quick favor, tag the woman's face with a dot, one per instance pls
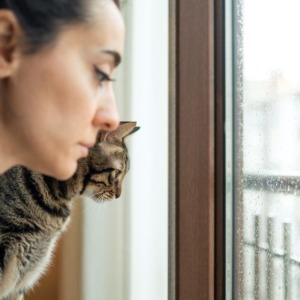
(57, 99)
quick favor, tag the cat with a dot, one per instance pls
(35, 209)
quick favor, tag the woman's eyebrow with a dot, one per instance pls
(116, 56)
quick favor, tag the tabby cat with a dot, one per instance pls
(35, 209)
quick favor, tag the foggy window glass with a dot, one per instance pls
(265, 136)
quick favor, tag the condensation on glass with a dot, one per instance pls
(265, 156)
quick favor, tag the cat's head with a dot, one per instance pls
(108, 163)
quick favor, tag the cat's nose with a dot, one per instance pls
(118, 192)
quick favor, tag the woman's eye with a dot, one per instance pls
(102, 76)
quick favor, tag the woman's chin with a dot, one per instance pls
(67, 173)
(62, 171)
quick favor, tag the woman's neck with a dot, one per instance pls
(7, 150)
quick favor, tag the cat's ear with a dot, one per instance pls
(125, 129)
(102, 135)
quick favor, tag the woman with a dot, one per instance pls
(57, 58)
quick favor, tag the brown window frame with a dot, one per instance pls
(196, 211)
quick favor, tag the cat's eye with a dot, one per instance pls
(107, 170)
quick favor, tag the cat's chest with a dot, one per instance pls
(34, 255)
(32, 249)
(49, 225)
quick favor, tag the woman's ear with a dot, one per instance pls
(10, 33)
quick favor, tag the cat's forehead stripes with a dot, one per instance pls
(110, 149)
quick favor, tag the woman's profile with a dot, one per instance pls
(57, 59)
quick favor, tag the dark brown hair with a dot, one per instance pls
(42, 20)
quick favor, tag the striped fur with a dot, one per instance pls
(35, 209)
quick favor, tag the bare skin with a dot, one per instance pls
(52, 103)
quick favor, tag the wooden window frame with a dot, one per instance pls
(196, 211)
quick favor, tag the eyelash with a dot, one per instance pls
(102, 76)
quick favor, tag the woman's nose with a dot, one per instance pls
(107, 118)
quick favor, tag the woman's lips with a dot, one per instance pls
(85, 149)
(87, 145)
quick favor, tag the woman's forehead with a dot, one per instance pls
(107, 29)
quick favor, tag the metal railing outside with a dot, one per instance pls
(274, 184)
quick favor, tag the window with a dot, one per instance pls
(263, 147)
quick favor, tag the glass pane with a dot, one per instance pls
(266, 148)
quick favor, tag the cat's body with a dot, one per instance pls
(35, 209)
